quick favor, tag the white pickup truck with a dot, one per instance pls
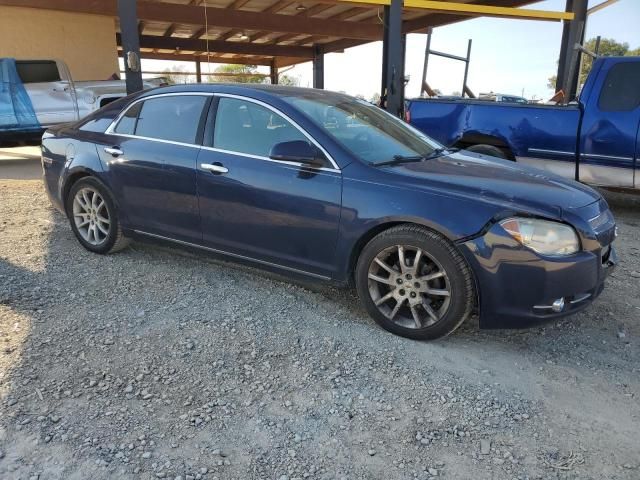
(53, 96)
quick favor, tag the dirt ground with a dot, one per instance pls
(159, 363)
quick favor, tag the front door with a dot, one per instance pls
(50, 92)
(272, 211)
(151, 155)
(610, 127)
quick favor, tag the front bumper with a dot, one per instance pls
(517, 287)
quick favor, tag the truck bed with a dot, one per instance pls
(463, 122)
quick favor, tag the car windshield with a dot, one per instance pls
(365, 130)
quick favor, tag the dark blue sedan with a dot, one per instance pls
(323, 185)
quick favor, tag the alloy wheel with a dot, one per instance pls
(409, 286)
(91, 216)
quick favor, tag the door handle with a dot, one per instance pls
(113, 151)
(215, 167)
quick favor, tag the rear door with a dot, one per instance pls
(151, 155)
(49, 89)
(610, 127)
(275, 212)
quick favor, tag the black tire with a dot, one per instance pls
(488, 150)
(458, 277)
(114, 240)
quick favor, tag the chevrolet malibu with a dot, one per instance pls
(322, 185)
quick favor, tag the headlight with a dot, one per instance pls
(542, 236)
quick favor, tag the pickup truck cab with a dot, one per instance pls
(42, 93)
(594, 140)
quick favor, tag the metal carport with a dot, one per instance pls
(280, 33)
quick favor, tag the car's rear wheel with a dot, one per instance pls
(94, 218)
(414, 283)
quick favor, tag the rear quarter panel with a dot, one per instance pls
(66, 158)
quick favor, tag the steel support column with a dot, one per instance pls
(385, 51)
(273, 72)
(562, 60)
(318, 67)
(395, 59)
(573, 56)
(198, 72)
(127, 11)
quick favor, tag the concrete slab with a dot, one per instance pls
(20, 163)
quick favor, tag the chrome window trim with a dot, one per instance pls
(112, 125)
(235, 255)
(290, 120)
(110, 130)
(160, 140)
(267, 159)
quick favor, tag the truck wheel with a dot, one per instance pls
(488, 150)
(414, 283)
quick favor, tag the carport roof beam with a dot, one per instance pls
(268, 29)
(476, 10)
(193, 44)
(217, 17)
(213, 58)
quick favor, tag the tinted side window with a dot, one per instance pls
(98, 121)
(247, 127)
(98, 124)
(621, 88)
(174, 118)
(38, 71)
(127, 123)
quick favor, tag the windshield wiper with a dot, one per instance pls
(399, 159)
(438, 152)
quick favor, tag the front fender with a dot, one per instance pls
(368, 208)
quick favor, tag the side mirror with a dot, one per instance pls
(296, 151)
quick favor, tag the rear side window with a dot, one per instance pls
(621, 89)
(98, 124)
(174, 118)
(127, 123)
(100, 120)
(38, 71)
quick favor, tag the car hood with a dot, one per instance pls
(489, 179)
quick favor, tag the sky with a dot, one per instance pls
(507, 56)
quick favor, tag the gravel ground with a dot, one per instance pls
(159, 363)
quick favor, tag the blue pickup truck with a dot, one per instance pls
(595, 140)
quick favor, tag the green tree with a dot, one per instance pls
(608, 48)
(288, 80)
(243, 74)
(177, 75)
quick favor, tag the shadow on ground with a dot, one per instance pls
(160, 362)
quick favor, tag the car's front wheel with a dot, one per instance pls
(94, 218)
(414, 283)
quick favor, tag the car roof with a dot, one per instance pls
(251, 90)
